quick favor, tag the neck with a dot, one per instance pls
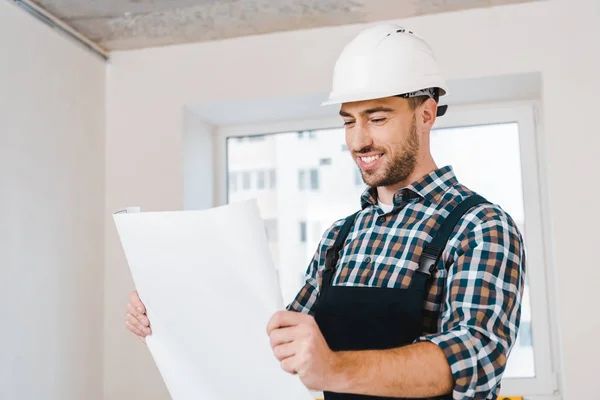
(386, 193)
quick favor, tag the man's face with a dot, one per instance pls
(382, 138)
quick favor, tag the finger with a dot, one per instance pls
(134, 321)
(144, 330)
(289, 366)
(135, 300)
(284, 335)
(284, 351)
(131, 309)
(133, 329)
(142, 318)
(286, 318)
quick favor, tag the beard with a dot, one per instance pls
(398, 168)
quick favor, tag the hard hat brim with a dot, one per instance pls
(441, 110)
(353, 97)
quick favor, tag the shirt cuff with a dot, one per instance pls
(475, 369)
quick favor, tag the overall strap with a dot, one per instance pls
(432, 252)
(332, 254)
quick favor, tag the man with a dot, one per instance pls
(419, 293)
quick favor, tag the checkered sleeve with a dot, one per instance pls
(481, 312)
(307, 296)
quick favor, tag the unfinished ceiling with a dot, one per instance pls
(129, 24)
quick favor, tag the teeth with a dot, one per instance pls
(370, 159)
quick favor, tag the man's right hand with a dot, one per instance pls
(136, 320)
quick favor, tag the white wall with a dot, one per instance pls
(51, 213)
(197, 158)
(147, 90)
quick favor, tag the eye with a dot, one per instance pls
(346, 123)
(378, 120)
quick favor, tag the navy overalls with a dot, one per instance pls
(373, 318)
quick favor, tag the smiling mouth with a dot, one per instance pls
(370, 159)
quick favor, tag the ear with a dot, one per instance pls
(428, 113)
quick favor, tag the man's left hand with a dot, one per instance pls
(300, 347)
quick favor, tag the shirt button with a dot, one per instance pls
(367, 260)
(381, 219)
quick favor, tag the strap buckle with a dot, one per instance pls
(427, 264)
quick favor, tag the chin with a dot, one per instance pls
(372, 181)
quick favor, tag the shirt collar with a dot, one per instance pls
(430, 187)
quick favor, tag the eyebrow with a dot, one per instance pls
(367, 112)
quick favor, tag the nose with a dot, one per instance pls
(358, 137)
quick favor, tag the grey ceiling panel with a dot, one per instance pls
(116, 24)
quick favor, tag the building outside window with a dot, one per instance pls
(303, 232)
(246, 180)
(314, 179)
(302, 180)
(260, 180)
(272, 179)
(358, 180)
(233, 181)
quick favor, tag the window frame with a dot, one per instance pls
(544, 385)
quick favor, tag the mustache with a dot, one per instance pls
(368, 149)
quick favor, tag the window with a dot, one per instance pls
(303, 232)
(307, 134)
(301, 179)
(316, 231)
(272, 179)
(246, 180)
(493, 151)
(256, 138)
(260, 180)
(325, 161)
(233, 181)
(498, 178)
(508, 176)
(314, 179)
(358, 180)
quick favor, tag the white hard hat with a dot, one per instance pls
(382, 61)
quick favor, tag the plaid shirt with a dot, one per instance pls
(472, 311)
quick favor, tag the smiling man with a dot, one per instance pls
(418, 294)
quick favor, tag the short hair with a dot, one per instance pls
(414, 102)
